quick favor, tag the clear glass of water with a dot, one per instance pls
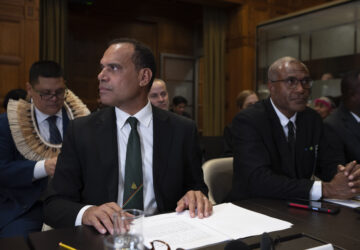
(128, 231)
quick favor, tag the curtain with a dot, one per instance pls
(214, 72)
(52, 30)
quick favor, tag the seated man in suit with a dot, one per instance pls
(276, 144)
(30, 139)
(342, 127)
(158, 94)
(130, 155)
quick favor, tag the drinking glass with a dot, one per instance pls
(128, 231)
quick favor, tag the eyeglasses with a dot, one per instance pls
(60, 94)
(159, 245)
(292, 82)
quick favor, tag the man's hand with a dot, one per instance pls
(50, 165)
(101, 217)
(195, 200)
(345, 183)
(352, 171)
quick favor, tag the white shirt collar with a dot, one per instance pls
(356, 117)
(144, 116)
(40, 116)
(283, 119)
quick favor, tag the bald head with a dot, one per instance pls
(289, 84)
(158, 94)
(279, 64)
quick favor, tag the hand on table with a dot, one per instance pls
(195, 200)
(101, 217)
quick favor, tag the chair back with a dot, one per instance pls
(218, 177)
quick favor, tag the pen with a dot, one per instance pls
(320, 209)
(66, 246)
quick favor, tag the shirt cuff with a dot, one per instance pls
(78, 221)
(316, 191)
(39, 170)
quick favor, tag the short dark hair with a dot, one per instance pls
(44, 69)
(14, 94)
(178, 100)
(142, 57)
(349, 83)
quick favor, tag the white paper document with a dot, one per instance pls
(348, 203)
(227, 222)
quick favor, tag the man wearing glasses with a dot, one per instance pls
(277, 144)
(31, 135)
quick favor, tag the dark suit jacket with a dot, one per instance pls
(342, 133)
(18, 191)
(263, 166)
(87, 169)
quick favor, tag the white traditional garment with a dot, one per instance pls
(25, 132)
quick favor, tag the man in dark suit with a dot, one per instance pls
(28, 148)
(92, 173)
(277, 143)
(342, 127)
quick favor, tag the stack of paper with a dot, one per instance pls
(227, 222)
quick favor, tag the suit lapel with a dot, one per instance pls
(106, 136)
(162, 138)
(65, 120)
(301, 136)
(280, 140)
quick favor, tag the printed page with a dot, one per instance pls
(179, 231)
(227, 222)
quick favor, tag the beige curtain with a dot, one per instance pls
(214, 72)
(52, 30)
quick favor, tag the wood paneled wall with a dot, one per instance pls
(166, 26)
(19, 42)
(163, 27)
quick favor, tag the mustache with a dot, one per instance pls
(105, 86)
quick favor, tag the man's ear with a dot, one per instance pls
(145, 75)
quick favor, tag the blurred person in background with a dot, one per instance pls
(245, 99)
(158, 94)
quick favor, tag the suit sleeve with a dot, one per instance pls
(254, 173)
(194, 178)
(15, 170)
(62, 202)
(331, 154)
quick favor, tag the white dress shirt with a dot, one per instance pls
(43, 125)
(145, 130)
(316, 190)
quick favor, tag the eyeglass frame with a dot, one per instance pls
(47, 97)
(160, 241)
(297, 81)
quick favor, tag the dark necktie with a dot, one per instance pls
(133, 187)
(55, 136)
(291, 135)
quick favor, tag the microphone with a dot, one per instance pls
(236, 245)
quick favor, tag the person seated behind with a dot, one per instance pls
(324, 106)
(342, 128)
(29, 145)
(179, 104)
(276, 144)
(245, 99)
(14, 94)
(153, 164)
(158, 94)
